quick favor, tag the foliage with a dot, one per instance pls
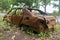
(30, 32)
(5, 4)
(44, 3)
(58, 38)
(55, 12)
(56, 27)
(26, 2)
(27, 30)
(56, 5)
(3, 24)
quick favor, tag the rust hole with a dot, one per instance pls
(27, 18)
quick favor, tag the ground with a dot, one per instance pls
(16, 34)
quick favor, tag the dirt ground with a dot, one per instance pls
(15, 34)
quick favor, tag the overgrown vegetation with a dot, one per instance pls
(30, 32)
(58, 38)
(1, 36)
(3, 24)
(56, 27)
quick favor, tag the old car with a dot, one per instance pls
(39, 22)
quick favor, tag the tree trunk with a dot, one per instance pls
(45, 5)
(45, 8)
(59, 6)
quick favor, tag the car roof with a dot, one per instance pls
(41, 12)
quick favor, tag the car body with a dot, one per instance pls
(39, 23)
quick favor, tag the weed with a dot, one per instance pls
(30, 32)
(58, 38)
(56, 27)
(42, 34)
(1, 36)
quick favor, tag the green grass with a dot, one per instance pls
(56, 27)
(1, 36)
(30, 32)
(27, 30)
(3, 24)
(1, 16)
(58, 38)
(41, 34)
(1, 21)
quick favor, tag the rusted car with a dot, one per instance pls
(39, 22)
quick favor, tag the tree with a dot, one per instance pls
(57, 5)
(45, 3)
(27, 3)
(5, 4)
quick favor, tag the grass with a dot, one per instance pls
(1, 36)
(3, 24)
(58, 38)
(44, 34)
(1, 21)
(30, 32)
(27, 30)
(56, 27)
(41, 34)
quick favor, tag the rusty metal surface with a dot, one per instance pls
(40, 23)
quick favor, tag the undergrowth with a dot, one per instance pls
(41, 34)
(56, 27)
(1, 36)
(30, 32)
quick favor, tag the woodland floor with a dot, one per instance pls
(16, 34)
